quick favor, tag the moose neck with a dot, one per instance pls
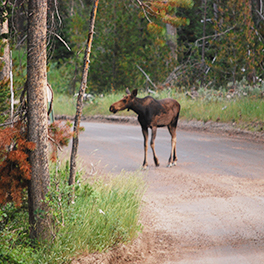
(138, 106)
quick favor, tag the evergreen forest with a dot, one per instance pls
(182, 43)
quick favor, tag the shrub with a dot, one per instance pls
(105, 214)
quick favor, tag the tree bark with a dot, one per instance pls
(75, 141)
(172, 40)
(4, 73)
(37, 118)
(204, 33)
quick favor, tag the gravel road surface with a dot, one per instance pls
(207, 209)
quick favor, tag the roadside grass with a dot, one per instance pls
(243, 110)
(105, 214)
(64, 105)
(210, 105)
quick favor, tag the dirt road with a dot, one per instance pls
(208, 209)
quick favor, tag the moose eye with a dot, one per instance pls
(124, 100)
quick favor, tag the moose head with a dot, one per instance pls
(125, 103)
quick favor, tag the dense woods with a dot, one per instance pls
(182, 43)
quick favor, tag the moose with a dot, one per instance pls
(152, 114)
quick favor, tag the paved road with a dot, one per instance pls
(121, 147)
(208, 209)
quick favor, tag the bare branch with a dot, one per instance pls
(51, 102)
(57, 12)
(53, 141)
(147, 77)
(60, 39)
(21, 41)
(8, 123)
(216, 35)
(144, 11)
(261, 16)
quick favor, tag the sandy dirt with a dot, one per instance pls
(189, 218)
(195, 218)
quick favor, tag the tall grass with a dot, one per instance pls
(241, 110)
(105, 213)
(64, 105)
(209, 106)
(100, 105)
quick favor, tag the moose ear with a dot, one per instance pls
(134, 93)
(127, 91)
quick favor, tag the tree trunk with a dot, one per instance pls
(172, 40)
(75, 141)
(204, 33)
(4, 73)
(37, 118)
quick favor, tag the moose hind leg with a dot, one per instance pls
(152, 144)
(173, 157)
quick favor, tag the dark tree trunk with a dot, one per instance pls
(37, 118)
(75, 141)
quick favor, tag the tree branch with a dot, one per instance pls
(144, 11)
(53, 141)
(261, 16)
(60, 39)
(216, 35)
(147, 77)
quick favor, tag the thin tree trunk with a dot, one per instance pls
(172, 40)
(75, 141)
(204, 33)
(37, 118)
(4, 73)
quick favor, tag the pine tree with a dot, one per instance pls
(238, 48)
(166, 10)
(37, 118)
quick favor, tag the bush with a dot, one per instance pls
(105, 213)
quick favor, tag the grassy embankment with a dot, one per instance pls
(105, 214)
(245, 108)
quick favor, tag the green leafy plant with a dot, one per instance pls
(105, 214)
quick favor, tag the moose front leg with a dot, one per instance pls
(152, 144)
(145, 135)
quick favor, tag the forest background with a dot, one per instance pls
(215, 43)
(178, 45)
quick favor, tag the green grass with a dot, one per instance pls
(246, 112)
(242, 110)
(105, 214)
(64, 105)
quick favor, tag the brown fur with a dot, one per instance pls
(152, 113)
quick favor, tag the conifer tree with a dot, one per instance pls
(37, 118)
(238, 47)
(166, 10)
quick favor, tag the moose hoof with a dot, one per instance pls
(144, 167)
(171, 164)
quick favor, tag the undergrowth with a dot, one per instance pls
(105, 213)
(243, 107)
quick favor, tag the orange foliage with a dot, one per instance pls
(60, 135)
(15, 170)
(14, 166)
